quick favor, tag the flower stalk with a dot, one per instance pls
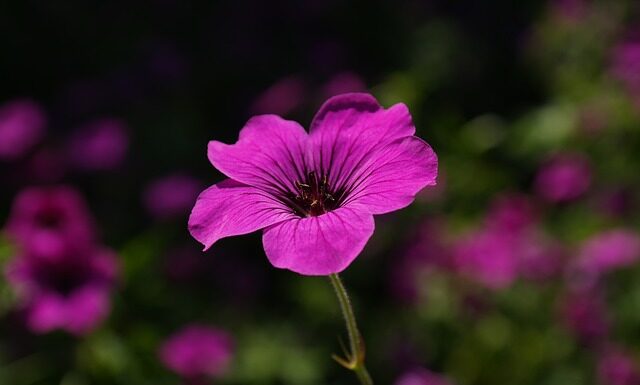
(354, 358)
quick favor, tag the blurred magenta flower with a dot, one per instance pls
(22, 125)
(100, 145)
(198, 351)
(342, 83)
(281, 98)
(315, 193)
(422, 376)
(564, 177)
(509, 245)
(48, 221)
(171, 196)
(615, 367)
(70, 291)
(608, 251)
(584, 313)
(625, 61)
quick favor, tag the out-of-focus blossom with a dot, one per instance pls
(608, 251)
(172, 195)
(615, 201)
(422, 376)
(69, 291)
(281, 98)
(615, 367)
(198, 351)
(508, 246)
(22, 124)
(342, 83)
(487, 257)
(166, 64)
(48, 221)
(100, 145)
(564, 177)
(625, 61)
(584, 313)
(315, 194)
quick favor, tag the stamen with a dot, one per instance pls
(314, 196)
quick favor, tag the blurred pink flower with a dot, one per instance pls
(100, 145)
(281, 98)
(70, 291)
(48, 221)
(22, 124)
(608, 251)
(564, 177)
(197, 351)
(615, 367)
(625, 61)
(509, 245)
(342, 83)
(422, 376)
(171, 196)
(584, 313)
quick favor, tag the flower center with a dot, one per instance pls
(313, 196)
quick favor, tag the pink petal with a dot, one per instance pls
(390, 179)
(232, 208)
(270, 154)
(46, 313)
(348, 127)
(86, 309)
(320, 245)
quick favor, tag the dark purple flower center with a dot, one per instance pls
(63, 278)
(49, 218)
(314, 196)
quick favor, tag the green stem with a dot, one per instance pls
(355, 357)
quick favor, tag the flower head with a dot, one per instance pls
(101, 145)
(69, 292)
(196, 351)
(563, 178)
(616, 367)
(607, 251)
(50, 220)
(22, 124)
(315, 193)
(171, 196)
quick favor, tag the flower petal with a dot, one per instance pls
(346, 129)
(269, 154)
(47, 312)
(320, 245)
(232, 208)
(87, 308)
(392, 176)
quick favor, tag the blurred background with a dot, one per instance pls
(520, 267)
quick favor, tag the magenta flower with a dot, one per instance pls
(171, 196)
(584, 313)
(608, 251)
(615, 367)
(197, 351)
(563, 178)
(48, 221)
(315, 193)
(69, 292)
(22, 124)
(422, 376)
(100, 145)
(625, 59)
